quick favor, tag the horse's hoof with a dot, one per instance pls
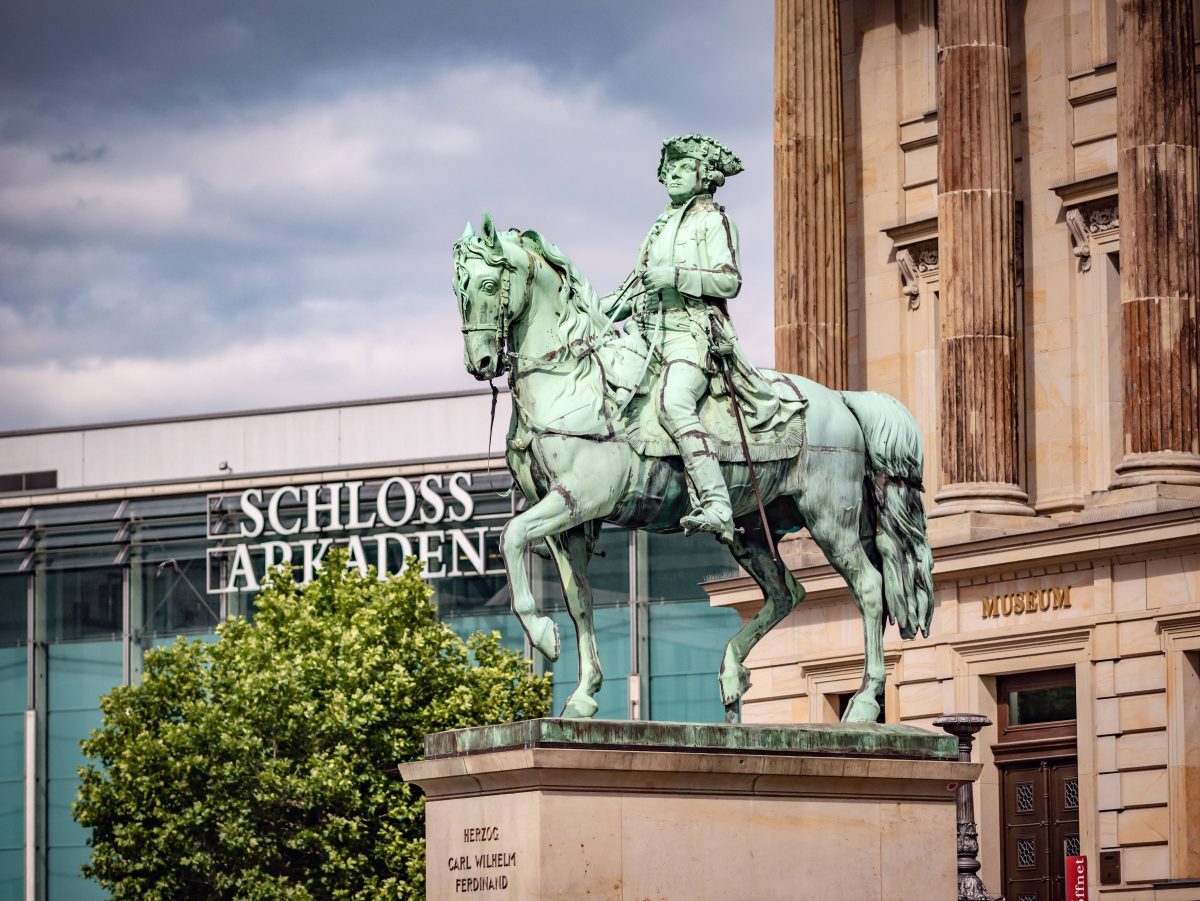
(862, 709)
(544, 637)
(580, 708)
(734, 683)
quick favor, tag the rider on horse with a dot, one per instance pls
(688, 269)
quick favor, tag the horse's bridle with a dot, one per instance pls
(504, 311)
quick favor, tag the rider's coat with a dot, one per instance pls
(700, 241)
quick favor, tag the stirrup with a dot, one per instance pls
(704, 519)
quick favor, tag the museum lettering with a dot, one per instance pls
(1040, 599)
(379, 524)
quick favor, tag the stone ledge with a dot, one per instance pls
(809, 739)
(686, 773)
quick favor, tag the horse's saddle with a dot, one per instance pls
(771, 404)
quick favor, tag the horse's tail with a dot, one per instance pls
(894, 461)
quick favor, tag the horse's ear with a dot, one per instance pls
(468, 232)
(489, 230)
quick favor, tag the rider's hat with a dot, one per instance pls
(715, 155)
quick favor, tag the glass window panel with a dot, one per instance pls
(149, 534)
(61, 828)
(612, 642)
(472, 595)
(181, 505)
(90, 536)
(156, 552)
(12, 874)
(77, 513)
(163, 641)
(83, 603)
(11, 542)
(14, 696)
(11, 517)
(14, 609)
(78, 673)
(82, 557)
(679, 564)
(64, 882)
(490, 494)
(608, 574)
(12, 749)
(10, 564)
(511, 634)
(1041, 705)
(64, 731)
(175, 597)
(686, 641)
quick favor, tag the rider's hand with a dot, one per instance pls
(658, 277)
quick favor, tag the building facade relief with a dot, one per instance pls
(992, 158)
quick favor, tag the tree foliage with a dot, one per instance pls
(264, 765)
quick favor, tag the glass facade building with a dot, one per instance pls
(88, 586)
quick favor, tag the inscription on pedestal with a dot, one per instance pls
(481, 865)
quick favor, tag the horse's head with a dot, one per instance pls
(483, 276)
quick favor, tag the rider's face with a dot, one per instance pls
(682, 178)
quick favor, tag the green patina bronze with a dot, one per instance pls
(833, 739)
(638, 426)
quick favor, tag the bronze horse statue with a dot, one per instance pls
(573, 448)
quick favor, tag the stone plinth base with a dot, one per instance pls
(1139, 500)
(570, 809)
(956, 528)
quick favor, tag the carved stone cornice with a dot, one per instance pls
(1086, 190)
(916, 248)
(915, 261)
(1084, 221)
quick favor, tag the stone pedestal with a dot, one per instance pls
(568, 809)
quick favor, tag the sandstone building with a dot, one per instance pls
(989, 209)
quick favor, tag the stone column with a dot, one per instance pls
(810, 194)
(979, 350)
(1160, 241)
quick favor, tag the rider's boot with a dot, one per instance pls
(713, 511)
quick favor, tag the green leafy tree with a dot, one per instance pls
(264, 765)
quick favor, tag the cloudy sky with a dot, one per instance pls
(217, 206)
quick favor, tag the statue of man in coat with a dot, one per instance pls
(688, 268)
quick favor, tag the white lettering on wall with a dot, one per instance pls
(273, 510)
(458, 484)
(383, 502)
(434, 507)
(250, 497)
(345, 513)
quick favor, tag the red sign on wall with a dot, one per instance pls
(1077, 888)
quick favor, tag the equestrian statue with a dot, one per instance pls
(664, 425)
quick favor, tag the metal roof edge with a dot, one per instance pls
(241, 414)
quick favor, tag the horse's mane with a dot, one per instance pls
(582, 318)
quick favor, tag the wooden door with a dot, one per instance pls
(1040, 809)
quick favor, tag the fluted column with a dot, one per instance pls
(810, 193)
(1160, 243)
(980, 421)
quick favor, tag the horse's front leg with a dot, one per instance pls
(554, 513)
(571, 553)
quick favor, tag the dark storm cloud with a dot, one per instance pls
(167, 57)
(208, 206)
(80, 154)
